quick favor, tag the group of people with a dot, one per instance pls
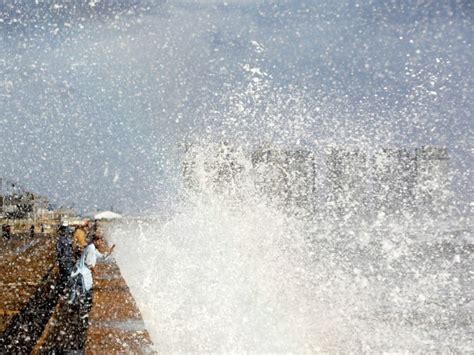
(7, 231)
(78, 253)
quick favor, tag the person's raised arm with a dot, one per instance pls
(105, 255)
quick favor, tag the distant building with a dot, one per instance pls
(347, 180)
(340, 181)
(17, 202)
(214, 167)
(271, 175)
(64, 214)
(432, 178)
(286, 177)
(301, 185)
(393, 176)
(40, 206)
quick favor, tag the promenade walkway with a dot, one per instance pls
(36, 317)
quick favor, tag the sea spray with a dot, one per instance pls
(231, 271)
(232, 285)
(243, 262)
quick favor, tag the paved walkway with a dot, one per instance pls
(115, 323)
(28, 282)
(37, 318)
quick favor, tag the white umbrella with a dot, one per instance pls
(107, 215)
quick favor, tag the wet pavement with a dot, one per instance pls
(115, 323)
(36, 316)
(25, 264)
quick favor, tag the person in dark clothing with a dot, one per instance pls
(65, 253)
(6, 231)
(75, 308)
(32, 231)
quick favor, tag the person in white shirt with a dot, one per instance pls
(91, 254)
(80, 297)
(85, 267)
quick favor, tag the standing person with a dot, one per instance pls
(5, 233)
(82, 275)
(32, 231)
(64, 253)
(79, 241)
(80, 299)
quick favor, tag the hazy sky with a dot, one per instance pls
(96, 96)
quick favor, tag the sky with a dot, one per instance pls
(97, 97)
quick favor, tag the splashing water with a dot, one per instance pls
(226, 274)
(233, 268)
